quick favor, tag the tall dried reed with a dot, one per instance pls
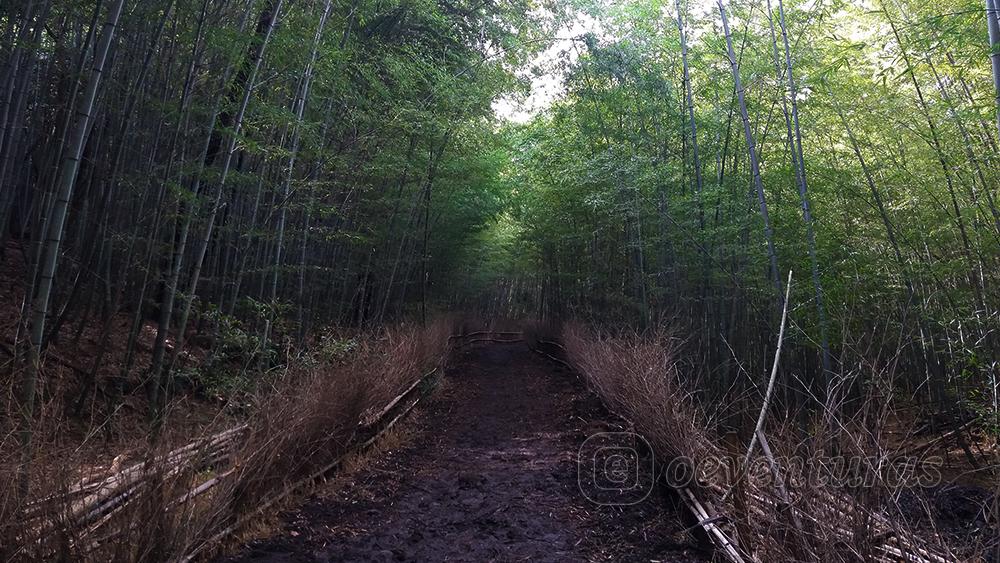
(171, 501)
(822, 496)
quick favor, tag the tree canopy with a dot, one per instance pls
(258, 169)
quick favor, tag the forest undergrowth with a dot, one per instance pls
(192, 487)
(851, 479)
(211, 209)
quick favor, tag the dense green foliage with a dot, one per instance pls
(609, 220)
(258, 167)
(248, 171)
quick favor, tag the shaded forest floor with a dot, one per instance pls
(488, 472)
(114, 405)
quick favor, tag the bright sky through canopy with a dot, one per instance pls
(545, 73)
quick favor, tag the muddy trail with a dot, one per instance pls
(488, 471)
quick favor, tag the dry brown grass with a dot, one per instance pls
(801, 507)
(638, 379)
(175, 505)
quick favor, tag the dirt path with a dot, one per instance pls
(490, 473)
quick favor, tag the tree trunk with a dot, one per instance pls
(799, 160)
(67, 179)
(754, 163)
(943, 161)
(993, 26)
(302, 97)
(272, 13)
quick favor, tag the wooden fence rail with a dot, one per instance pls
(87, 508)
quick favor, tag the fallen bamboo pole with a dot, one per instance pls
(728, 546)
(287, 490)
(898, 546)
(106, 494)
(481, 332)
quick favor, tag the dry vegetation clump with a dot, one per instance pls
(638, 379)
(401, 355)
(179, 497)
(833, 493)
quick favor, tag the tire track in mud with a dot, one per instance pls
(489, 474)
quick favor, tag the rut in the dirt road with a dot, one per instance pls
(491, 474)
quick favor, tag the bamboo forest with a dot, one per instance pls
(500, 280)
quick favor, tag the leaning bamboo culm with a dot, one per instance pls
(788, 516)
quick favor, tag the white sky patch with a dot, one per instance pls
(547, 80)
